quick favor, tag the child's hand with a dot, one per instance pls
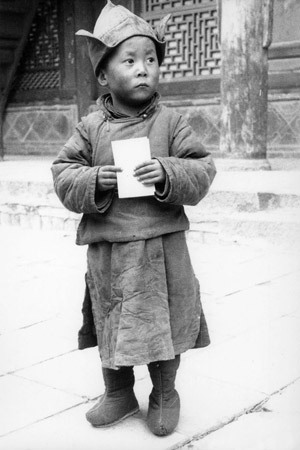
(107, 177)
(150, 172)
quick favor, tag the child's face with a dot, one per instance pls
(132, 74)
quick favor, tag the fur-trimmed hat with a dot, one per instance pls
(115, 24)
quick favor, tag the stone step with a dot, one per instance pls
(35, 190)
(254, 191)
(270, 224)
(37, 216)
(280, 226)
(239, 205)
(240, 201)
(234, 192)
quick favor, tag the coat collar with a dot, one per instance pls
(110, 113)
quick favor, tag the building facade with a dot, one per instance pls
(53, 84)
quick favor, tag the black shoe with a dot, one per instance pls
(164, 402)
(118, 402)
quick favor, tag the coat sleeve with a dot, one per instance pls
(190, 169)
(75, 179)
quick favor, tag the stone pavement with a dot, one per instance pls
(242, 392)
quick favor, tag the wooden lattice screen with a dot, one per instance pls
(40, 65)
(192, 36)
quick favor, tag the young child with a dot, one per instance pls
(145, 297)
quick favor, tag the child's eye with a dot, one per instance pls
(151, 59)
(129, 61)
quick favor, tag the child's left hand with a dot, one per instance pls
(150, 172)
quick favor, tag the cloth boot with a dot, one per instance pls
(118, 400)
(164, 402)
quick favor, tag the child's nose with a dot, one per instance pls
(141, 70)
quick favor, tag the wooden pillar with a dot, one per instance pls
(245, 29)
(86, 82)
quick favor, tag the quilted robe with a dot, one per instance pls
(144, 294)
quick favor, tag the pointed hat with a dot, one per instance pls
(114, 25)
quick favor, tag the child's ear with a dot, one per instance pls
(102, 78)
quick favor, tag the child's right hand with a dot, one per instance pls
(107, 177)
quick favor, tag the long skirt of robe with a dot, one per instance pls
(145, 300)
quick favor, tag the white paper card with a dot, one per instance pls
(128, 153)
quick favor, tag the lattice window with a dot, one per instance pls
(192, 36)
(39, 66)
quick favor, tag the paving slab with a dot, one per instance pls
(286, 401)
(258, 431)
(274, 427)
(236, 277)
(23, 402)
(32, 345)
(254, 307)
(78, 372)
(207, 403)
(264, 359)
(211, 403)
(253, 311)
(213, 257)
(70, 431)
